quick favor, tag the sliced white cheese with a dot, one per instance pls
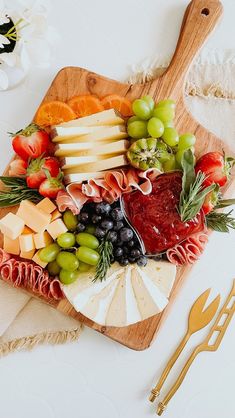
(100, 165)
(80, 177)
(63, 132)
(105, 133)
(87, 148)
(70, 162)
(128, 295)
(106, 117)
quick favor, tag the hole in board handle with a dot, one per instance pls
(205, 11)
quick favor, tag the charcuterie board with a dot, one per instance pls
(200, 19)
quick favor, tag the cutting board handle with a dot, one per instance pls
(200, 19)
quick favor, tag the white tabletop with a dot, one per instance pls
(95, 377)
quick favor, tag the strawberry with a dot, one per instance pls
(216, 168)
(210, 201)
(17, 167)
(51, 186)
(38, 168)
(30, 142)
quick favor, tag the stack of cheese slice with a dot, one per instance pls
(128, 295)
(91, 144)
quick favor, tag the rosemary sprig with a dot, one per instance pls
(224, 203)
(220, 222)
(106, 251)
(16, 191)
(193, 193)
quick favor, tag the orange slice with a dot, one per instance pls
(54, 113)
(85, 105)
(114, 101)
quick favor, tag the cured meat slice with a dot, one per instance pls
(29, 276)
(64, 201)
(189, 250)
(109, 188)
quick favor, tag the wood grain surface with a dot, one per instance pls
(200, 19)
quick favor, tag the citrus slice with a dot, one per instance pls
(85, 105)
(54, 113)
(114, 101)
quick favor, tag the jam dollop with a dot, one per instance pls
(155, 216)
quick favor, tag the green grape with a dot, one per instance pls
(171, 137)
(66, 240)
(170, 165)
(49, 253)
(155, 127)
(67, 261)
(132, 119)
(87, 240)
(70, 220)
(83, 267)
(149, 100)
(68, 277)
(53, 268)
(87, 255)
(186, 141)
(167, 103)
(169, 124)
(90, 229)
(166, 114)
(137, 129)
(141, 109)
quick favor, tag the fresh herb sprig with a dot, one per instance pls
(16, 191)
(106, 251)
(220, 222)
(193, 193)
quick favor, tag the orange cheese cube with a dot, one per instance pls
(56, 228)
(46, 205)
(26, 242)
(11, 225)
(42, 239)
(33, 217)
(28, 254)
(55, 215)
(11, 246)
(37, 259)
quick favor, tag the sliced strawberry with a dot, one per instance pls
(17, 167)
(37, 168)
(216, 168)
(30, 142)
(51, 186)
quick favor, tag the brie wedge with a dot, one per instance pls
(128, 295)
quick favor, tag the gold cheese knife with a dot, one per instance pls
(219, 330)
(198, 319)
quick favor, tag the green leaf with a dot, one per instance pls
(188, 170)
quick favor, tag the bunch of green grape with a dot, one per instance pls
(157, 121)
(72, 252)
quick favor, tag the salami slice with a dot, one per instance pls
(29, 276)
(189, 250)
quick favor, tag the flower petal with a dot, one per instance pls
(3, 41)
(9, 58)
(4, 82)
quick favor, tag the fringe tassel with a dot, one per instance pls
(28, 343)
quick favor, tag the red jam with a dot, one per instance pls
(155, 216)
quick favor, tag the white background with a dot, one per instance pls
(95, 377)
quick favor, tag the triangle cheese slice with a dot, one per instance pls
(128, 295)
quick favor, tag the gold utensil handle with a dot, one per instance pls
(163, 404)
(156, 390)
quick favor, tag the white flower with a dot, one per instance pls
(4, 19)
(3, 41)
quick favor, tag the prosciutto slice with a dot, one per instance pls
(108, 188)
(64, 201)
(188, 251)
(29, 276)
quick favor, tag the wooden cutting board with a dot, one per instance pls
(200, 19)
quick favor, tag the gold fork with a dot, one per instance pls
(218, 329)
(198, 319)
